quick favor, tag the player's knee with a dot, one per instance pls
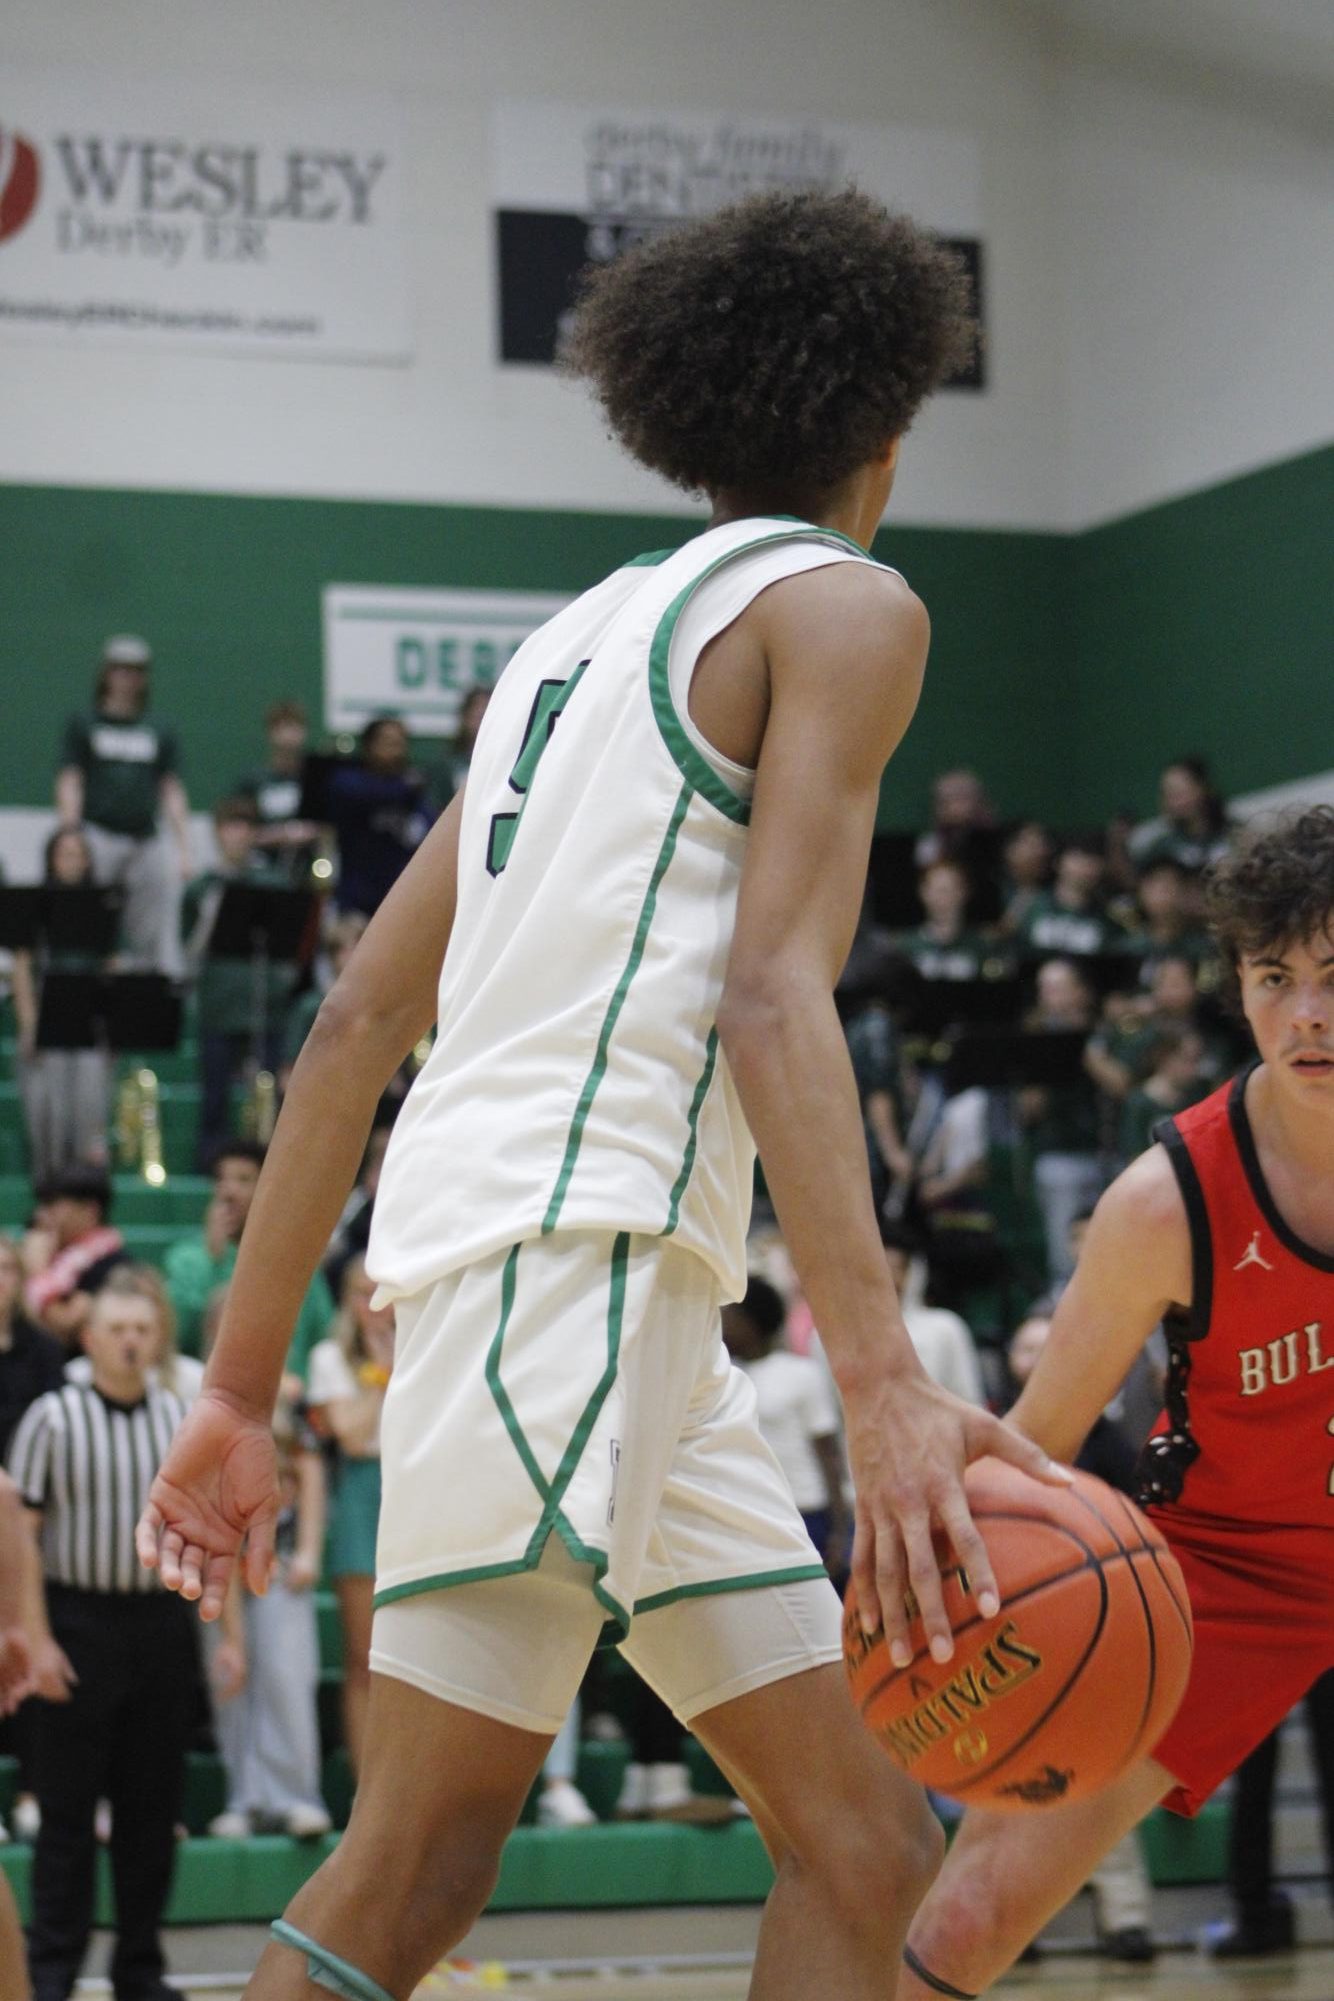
(955, 1933)
(880, 1862)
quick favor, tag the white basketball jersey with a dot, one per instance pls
(576, 1081)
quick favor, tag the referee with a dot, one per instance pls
(113, 1657)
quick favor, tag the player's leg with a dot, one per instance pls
(468, 1689)
(856, 1843)
(1005, 1876)
(757, 1675)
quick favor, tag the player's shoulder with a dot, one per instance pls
(1143, 1210)
(868, 601)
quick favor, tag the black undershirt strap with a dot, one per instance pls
(937, 1986)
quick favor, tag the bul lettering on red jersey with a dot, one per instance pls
(1250, 1405)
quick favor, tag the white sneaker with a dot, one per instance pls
(306, 1823)
(561, 1804)
(670, 1798)
(25, 1818)
(632, 1801)
(230, 1826)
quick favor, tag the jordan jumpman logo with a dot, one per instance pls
(1251, 1256)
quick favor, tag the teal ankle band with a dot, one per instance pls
(327, 1970)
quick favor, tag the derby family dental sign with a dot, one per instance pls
(257, 221)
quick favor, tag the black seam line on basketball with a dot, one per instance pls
(933, 1980)
(1086, 1501)
(1091, 1562)
(1183, 1612)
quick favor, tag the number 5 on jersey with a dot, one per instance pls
(548, 703)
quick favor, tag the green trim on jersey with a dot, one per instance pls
(802, 1574)
(689, 760)
(550, 1493)
(649, 561)
(692, 1124)
(614, 1006)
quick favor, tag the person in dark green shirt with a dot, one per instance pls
(287, 840)
(196, 1267)
(230, 1026)
(1069, 918)
(1061, 1120)
(119, 770)
(946, 947)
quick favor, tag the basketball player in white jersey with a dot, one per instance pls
(628, 932)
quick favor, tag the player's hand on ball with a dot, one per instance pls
(908, 1443)
(216, 1490)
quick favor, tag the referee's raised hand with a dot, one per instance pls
(215, 1498)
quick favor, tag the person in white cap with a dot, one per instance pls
(119, 773)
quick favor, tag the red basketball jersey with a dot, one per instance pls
(1248, 1431)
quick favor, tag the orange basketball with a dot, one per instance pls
(1079, 1673)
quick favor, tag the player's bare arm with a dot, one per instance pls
(1134, 1267)
(845, 650)
(218, 1484)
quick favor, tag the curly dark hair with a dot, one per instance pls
(775, 346)
(1275, 889)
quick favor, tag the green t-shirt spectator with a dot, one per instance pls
(1050, 930)
(963, 958)
(224, 994)
(1068, 1122)
(123, 763)
(193, 1276)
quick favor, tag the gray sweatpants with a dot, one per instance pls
(269, 1734)
(145, 870)
(66, 1104)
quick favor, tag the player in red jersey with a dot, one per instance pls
(1224, 1230)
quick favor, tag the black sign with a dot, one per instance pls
(541, 256)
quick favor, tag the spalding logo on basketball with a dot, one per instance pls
(1077, 1676)
(20, 179)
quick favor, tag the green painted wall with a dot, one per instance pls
(1207, 625)
(1066, 668)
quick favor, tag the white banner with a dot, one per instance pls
(263, 221)
(579, 184)
(419, 653)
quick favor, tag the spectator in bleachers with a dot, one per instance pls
(1027, 864)
(230, 1034)
(80, 1249)
(798, 1417)
(960, 811)
(343, 934)
(1175, 1061)
(1192, 826)
(875, 1046)
(353, 1230)
(268, 1732)
(945, 946)
(941, 1339)
(475, 705)
(15, 1676)
(349, 1374)
(119, 772)
(30, 1361)
(1163, 921)
(275, 792)
(196, 1266)
(1062, 1120)
(381, 813)
(1122, 1895)
(114, 1658)
(1120, 1050)
(1070, 917)
(952, 1136)
(66, 1092)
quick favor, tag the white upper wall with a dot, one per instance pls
(454, 425)
(1198, 280)
(1158, 231)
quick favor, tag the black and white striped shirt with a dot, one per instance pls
(88, 1463)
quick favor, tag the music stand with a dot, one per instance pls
(1005, 1057)
(115, 1012)
(85, 920)
(267, 926)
